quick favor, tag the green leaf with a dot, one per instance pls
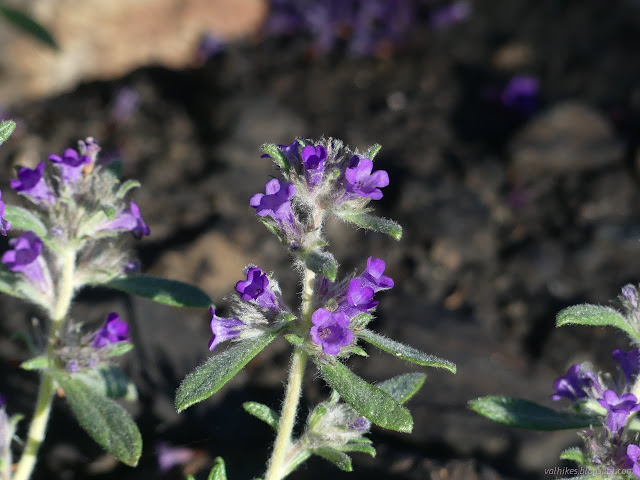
(368, 400)
(276, 155)
(519, 413)
(264, 413)
(28, 25)
(405, 352)
(218, 472)
(41, 362)
(358, 447)
(595, 315)
(6, 129)
(211, 376)
(370, 222)
(294, 339)
(403, 387)
(109, 381)
(103, 419)
(126, 186)
(273, 229)
(22, 219)
(358, 351)
(360, 321)
(323, 263)
(372, 151)
(316, 415)
(339, 459)
(109, 211)
(162, 290)
(120, 348)
(574, 454)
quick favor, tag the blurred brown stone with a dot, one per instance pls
(106, 39)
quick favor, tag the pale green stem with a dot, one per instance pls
(38, 426)
(277, 463)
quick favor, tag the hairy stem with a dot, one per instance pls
(38, 426)
(276, 469)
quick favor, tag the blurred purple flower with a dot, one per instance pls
(170, 456)
(70, 165)
(618, 408)
(313, 159)
(209, 46)
(575, 384)
(520, 95)
(359, 298)
(4, 225)
(125, 102)
(31, 182)
(629, 362)
(360, 181)
(223, 329)
(112, 331)
(129, 220)
(449, 15)
(631, 459)
(330, 330)
(24, 258)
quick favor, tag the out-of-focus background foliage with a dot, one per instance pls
(510, 134)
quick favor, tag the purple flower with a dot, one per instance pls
(449, 15)
(630, 295)
(112, 331)
(30, 182)
(275, 202)
(373, 276)
(223, 329)
(209, 46)
(24, 258)
(130, 220)
(4, 225)
(330, 330)
(619, 409)
(70, 165)
(629, 362)
(359, 298)
(169, 456)
(256, 287)
(575, 383)
(314, 159)
(631, 459)
(360, 424)
(361, 182)
(521, 94)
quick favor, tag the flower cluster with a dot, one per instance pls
(78, 205)
(616, 445)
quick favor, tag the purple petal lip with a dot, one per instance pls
(223, 329)
(330, 330)
(112, 331)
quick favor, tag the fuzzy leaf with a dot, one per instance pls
(109, 381)
(103, 419)
(294, 339)
(6, 129)
(368, 400)
(574, 454)
(22, 219)
(370, 222)
(403, 387)
(358, 447)
(126, 186)
(218, 472)
(276, 155)
(162, 290)
(109, 211)
(372, 151)
(41, 362)
(120, 348)
(519, 413)
(264, 413)
(323, 263)
(211, 376)
(594, 315)
(405, 352)
(361, 320)
(339, 459)
(28, 25)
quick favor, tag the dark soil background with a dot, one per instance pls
(507, 219)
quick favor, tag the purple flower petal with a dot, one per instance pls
(4, 225)
(330, 330)
(24, 258)
(223, 329)
(112, 331)
(275, 202)
(31, 182)
(70, 165)
(256, 287)
(129, 220)
(361, 182)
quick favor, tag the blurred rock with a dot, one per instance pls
(102, 40)
(571, 137)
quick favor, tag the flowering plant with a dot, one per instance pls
(72, 238)
(603, 406)
(320, 178)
